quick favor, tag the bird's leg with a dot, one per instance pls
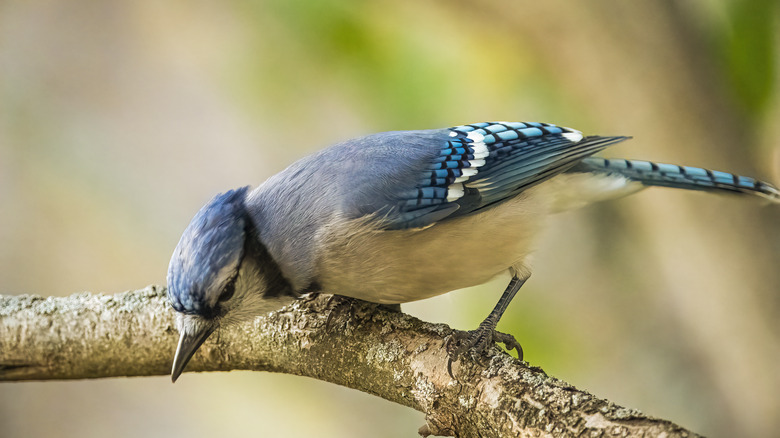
(478, 340)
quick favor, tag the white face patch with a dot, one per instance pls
(250, 299)
(222, 278)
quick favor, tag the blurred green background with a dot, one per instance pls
(118, 120)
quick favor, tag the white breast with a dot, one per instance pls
(362, 261)
(407, 265)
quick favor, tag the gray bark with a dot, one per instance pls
(358, 345)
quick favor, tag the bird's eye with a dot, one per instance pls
(228, 290)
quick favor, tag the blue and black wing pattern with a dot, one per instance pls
(485, 163)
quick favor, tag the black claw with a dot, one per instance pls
(456, 339)
(340, 303)
(477, 342)
(510, 343)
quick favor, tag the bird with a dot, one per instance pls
(400, 216)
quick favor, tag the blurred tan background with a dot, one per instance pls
(119, 120)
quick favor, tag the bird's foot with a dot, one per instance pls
(477, 342)
(391, 307)
(337, 303)
(309, 297)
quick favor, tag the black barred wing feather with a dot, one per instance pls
(486, 163)
(682, 177)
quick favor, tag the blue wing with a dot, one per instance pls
(483, 164)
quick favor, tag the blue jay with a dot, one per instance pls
(401, 216)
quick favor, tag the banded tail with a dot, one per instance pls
(681, 177)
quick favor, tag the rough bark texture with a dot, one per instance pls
(358, 345)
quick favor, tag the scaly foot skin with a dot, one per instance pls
(478, 341)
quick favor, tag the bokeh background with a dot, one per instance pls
(118, 120)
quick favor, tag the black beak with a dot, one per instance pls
(188, 345)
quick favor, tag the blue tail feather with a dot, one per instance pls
(681, 177)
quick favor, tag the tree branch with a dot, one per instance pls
(354, 344)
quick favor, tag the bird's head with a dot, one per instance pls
(220, 273)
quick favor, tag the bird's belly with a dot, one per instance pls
(399, 266)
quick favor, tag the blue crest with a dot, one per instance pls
(211, 246)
